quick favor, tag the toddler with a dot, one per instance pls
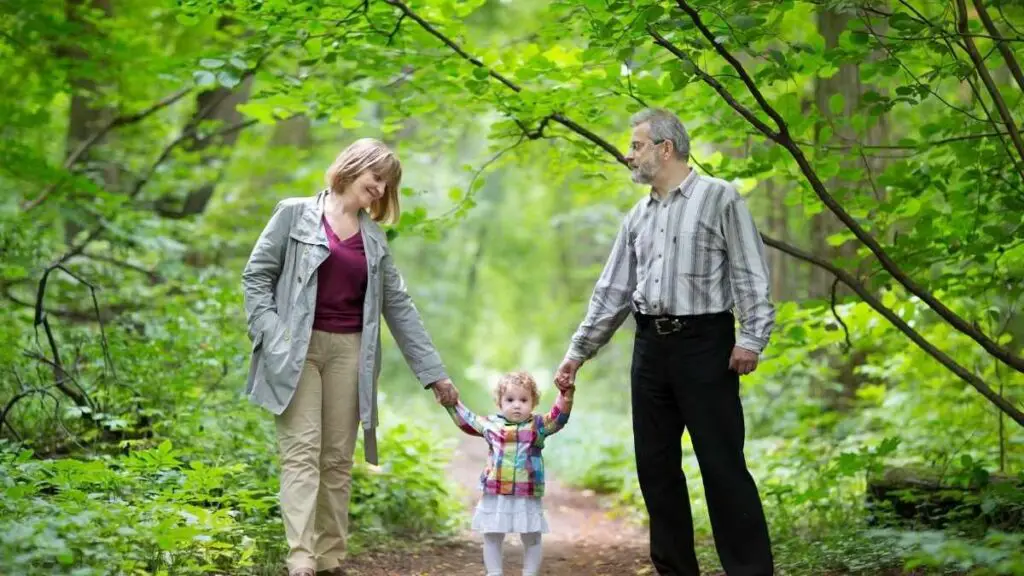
(513, 480)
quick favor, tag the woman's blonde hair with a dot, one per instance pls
(517, 380)
(369, 154)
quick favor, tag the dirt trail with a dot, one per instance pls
(584, 540)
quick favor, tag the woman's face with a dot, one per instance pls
(366, 189)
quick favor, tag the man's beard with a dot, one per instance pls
(644, 173)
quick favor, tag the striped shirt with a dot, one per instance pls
(514, 463)
(696, 251)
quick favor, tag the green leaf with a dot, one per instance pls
(560, 56)
(904, 21)
(745, 21)
(838, 239)
(680, 79)
(653, 12)
(211, 63)
(777, 56)
(186, 19)
(204, 78)
(827, 71)
(911, 207)
(687, 67)
(837, 104)
(228, 78)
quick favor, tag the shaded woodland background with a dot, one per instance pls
(145, 143)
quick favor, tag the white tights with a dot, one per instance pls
(531, 553)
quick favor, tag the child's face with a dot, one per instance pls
(516, 404)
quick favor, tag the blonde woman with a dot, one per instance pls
(316, 285)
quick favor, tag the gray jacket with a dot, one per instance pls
(279, 284)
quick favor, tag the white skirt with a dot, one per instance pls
(509, 514)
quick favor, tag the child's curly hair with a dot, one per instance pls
(518, 379)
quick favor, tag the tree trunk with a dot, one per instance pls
(216, 150)
(218, 106)
(216, 109)
(778, 223)
(87, 112)
(910, 496)
(295, 132)
(846, 83)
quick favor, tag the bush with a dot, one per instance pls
(179, 509)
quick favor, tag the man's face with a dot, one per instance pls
(644, 156)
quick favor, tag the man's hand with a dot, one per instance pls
(445, 392)
(565, 377)
(742, 360)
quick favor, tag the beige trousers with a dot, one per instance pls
(316, 437)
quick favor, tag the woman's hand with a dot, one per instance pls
(445, 392)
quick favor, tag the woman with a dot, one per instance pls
(316, 284)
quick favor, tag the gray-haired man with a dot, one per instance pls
(686, 255)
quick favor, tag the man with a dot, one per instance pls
(686, 254)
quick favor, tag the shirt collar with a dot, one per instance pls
(685, 188)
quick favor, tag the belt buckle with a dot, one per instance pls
(674, 325)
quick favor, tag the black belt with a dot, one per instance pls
(666, 324)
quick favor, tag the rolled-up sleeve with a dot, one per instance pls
(748, 276)
(610, 301)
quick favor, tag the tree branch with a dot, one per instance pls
(835, 313)
(84, 147)
(188, 132)
(41, 319)
(990, 85)
(715, 84)
(557, 117)
(784, 138)
(926, 145)
(72, 314)
(153, 275)
(846, 278)
(1011, 61)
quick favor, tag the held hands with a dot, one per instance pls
(742, 360)
(445, 392)
(565, 376)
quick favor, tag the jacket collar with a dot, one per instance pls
(307, 227)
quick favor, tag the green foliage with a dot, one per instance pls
(508, 213)
(164, 510)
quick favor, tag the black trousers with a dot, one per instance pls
(682, 381)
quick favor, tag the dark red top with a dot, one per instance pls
(341, 285)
